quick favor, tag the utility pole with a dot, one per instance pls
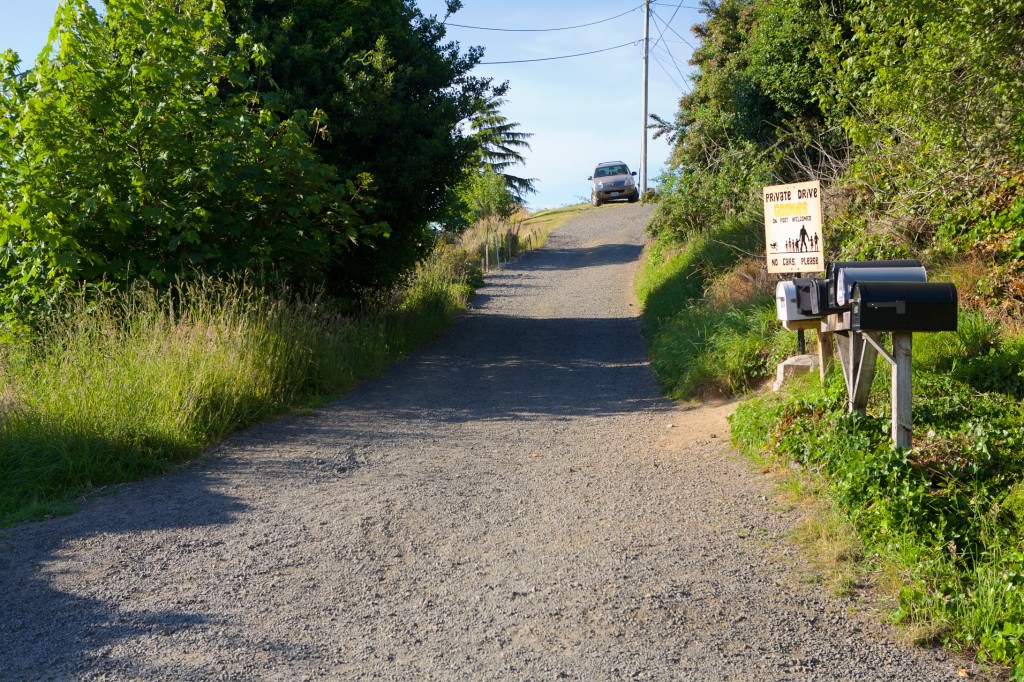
(643, 140)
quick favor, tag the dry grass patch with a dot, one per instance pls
(833, 546)
(745, 282)
(828, 539)
(541, 224)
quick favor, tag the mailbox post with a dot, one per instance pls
(858, 301)
(855, 302)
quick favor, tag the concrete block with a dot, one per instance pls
(792, 367)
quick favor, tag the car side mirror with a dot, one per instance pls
(633, 173)
(591, 177)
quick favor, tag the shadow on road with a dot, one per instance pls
(495, 367)
(45, 628)
(586, 257)
(492, 366)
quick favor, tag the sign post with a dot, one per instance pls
(792, 228)
(793, 237)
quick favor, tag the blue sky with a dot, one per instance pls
(586, 109)
(581, 110)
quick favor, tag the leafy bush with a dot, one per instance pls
(395, 91)
(931, 95)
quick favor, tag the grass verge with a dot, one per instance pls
(943, 523)
(128, 385)
(707, 314)
(507, 239)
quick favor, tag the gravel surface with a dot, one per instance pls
(517, 501)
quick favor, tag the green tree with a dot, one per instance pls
(501, 146)
(394, 92)
(140, 145)
(753, 116)
(723, 130)
(932, 95)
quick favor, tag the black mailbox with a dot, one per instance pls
(812, 296)
(833, 267)
(903, 307)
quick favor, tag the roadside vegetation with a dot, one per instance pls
(211, 213)
(911, 116)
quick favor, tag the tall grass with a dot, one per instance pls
(708, 315)
(127, 384)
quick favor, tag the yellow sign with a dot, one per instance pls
(792, 228)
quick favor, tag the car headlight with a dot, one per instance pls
(629, 182)
(600, 185)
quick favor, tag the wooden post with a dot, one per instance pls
(859, 360)
(902, 389)
(825, 353)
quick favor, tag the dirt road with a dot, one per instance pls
(515, 502)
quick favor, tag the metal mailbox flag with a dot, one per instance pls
(792, 227)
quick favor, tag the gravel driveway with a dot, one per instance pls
(515, 502)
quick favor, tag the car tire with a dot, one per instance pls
(594, 200)
(635, 198)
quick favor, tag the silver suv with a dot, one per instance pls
(612, 180)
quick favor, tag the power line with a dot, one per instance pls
(685, 79)
(657, 58)
(669, 27)
(680, 6)
(669, 23)
(675, 62)
(543, 30)
(564, 56)
(666, 42)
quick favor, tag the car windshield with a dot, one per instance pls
(611, 170)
